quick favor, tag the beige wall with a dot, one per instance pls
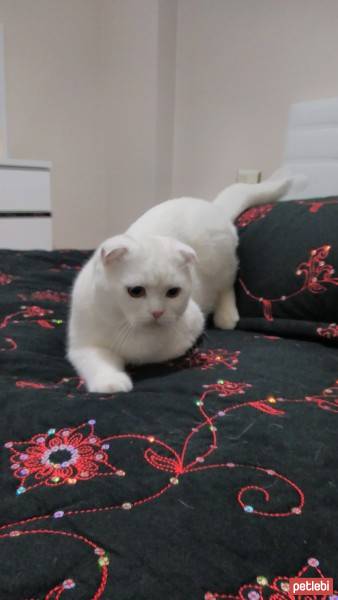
(139, 74)
(240, 64)
(135, 101)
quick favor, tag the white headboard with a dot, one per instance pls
(312, 146)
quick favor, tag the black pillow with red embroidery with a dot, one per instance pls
(288, 278)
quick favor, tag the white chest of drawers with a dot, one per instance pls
(25, 205)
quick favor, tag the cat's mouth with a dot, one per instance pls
(156, 324)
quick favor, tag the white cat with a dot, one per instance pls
(143, 296)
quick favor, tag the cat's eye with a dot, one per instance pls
(136, 292)
(173, 292)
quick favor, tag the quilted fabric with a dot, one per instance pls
(288, 280)
(215, 477)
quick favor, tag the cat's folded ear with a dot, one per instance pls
(114, 249)
(186, 253)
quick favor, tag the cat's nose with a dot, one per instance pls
(157, 314)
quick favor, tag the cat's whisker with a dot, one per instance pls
(124, 337)
(123, 333)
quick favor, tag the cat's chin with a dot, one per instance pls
(157, 325)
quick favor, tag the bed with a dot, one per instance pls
(216, 477)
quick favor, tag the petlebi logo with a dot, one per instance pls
(304, 586)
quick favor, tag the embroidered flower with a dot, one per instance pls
(59, 457)
(227, 388)
(208, 359)
(316, 271)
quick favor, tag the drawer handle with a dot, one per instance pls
(6, 214)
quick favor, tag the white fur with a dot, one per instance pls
(184, 243)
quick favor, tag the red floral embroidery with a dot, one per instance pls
(37, 385)
(317, 274)
(316, 205)
(48, 295)
(327, 399)
(31, 312)
(328, 332)
(160, 455)
(227, 388)
(265, 406)
(99, 554)
(59, 457)
(5, 279)
(65, 267)
(253, 214)
(34, 311)
(278, 589)
(316, 271)
(208, 359)
(34, 385)
(34, 465)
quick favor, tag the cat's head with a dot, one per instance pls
(149, 279)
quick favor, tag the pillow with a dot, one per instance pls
(288, 276)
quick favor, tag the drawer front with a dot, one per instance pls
(24, 189)
(26, 233)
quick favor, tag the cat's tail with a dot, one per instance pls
(240, 196)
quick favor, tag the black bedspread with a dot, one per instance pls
(216, 476)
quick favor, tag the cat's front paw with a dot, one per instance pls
(226, 319)
(110, 383)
